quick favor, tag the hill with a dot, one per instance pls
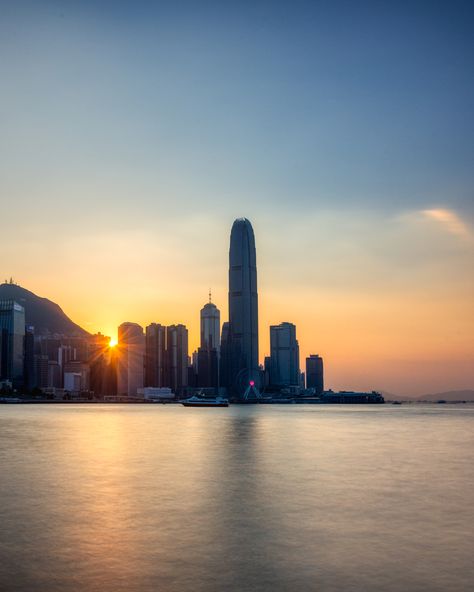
(466, 395)
(45, 316)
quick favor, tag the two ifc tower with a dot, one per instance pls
(239, 344)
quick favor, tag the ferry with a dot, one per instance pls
(196, 401)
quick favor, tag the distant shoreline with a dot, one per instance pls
(287, 403)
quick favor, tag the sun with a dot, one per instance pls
(113, 342)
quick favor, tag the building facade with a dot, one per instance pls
(155, 355)
(210, 326)
(12, 338)
(315, 374)
(207, 368)
(240, 365)
(206, 364)
(284, 356)
(130, 365)
(177, 357)
(29, 367)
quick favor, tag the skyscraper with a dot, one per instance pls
(210, 326)
(30, 376)
(284, 356)
(155, 355)
(177, 357)
(41, 371)
(241, 350)
(130, 363)
(225, 357)
(208, 353)
(314, 374)
(102, 369)
(12, 337)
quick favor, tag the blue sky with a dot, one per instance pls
(318, 103)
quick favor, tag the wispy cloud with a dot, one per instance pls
(450, 221)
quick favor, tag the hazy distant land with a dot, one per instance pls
(449, 396)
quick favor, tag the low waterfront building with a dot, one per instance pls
(352, 397)
(155, 393)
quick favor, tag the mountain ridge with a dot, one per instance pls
(455, 395)
(45, 316)
(462, 395)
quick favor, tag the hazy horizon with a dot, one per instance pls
(133, 134)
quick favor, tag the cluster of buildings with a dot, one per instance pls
(53, 364)
(227, 360)
(154, 363)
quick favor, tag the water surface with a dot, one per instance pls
(115, 498)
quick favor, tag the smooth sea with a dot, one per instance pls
(142, 498)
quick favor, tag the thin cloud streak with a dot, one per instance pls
(450, 220)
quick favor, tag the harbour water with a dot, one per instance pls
(146, 498)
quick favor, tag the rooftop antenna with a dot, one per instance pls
(210, 296)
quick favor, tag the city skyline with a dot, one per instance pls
(332, 380)
(151, 130)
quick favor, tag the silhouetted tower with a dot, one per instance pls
(284, 356)
(12, 337)
(315, 374)
(210, 326)
(131, 347)
(155, 355)
(177, 357)
(208, 353)
(241, 349)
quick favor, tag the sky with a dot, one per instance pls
(134, 133)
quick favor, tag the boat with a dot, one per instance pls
(196, 401)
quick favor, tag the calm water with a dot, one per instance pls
(163, 498)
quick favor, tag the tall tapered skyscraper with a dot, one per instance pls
(240, 352)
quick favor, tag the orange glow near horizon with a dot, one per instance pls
(387, 310)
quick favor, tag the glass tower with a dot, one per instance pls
(284, 356)
(12, 339)
(241, 365)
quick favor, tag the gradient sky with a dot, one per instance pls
(133, 133)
